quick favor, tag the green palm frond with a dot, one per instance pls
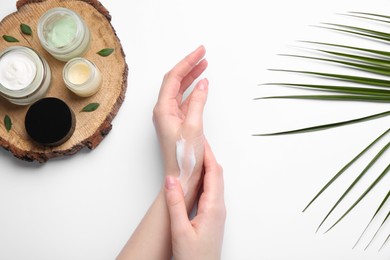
(374, 88)
(373, 217)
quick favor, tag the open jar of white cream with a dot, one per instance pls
(25, 76)
(63, 33)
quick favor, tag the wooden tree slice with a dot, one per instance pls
(91, 127)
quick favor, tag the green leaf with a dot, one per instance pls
(25, 29)
(370, 14)
(359, 59)
(373, 217)
(105, 52)
(377, 180)
(7, 123)
(9, 38)
(90, 107)
(380, 227)
(327, 126)
(335, 98)
(349, 78)
(345, 168)
(365, 59)
(374, 68)
(367, 18)
(338, 89)
(379, 52)
(384, 243)
(372, 162)
(369, 33)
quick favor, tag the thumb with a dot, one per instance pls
(197, 101)
(176, 205)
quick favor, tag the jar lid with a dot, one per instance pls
(50, 122)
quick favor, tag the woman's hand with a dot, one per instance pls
(202, 237)
(179, 124)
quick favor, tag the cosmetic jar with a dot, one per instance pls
(50, 122)
(82, 77)
(25, 76)
(63, 33)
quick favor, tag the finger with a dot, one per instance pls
(213, 179)
(190, 78)
(172, 80)
(193, 109)
(176, 205)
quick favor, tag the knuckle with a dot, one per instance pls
(196, 98)
(174, 200)
(167, 75)
(156, 112)
(193, 125)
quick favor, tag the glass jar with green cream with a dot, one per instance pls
(25, 76)
(63, 33)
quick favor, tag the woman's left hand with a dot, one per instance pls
(179, 122)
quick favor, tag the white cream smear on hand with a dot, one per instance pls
(17, 71)
(185, 156)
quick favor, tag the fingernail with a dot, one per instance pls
(170, 182)
(203, 84)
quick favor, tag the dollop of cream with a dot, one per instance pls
(185, 156)
(17, 71)
(79, 73)
(63, 32)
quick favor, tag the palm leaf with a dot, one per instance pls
(372, 61)
(373, 35)
(361, 175)
(380, 227)
(373, 217)
(377, 180)
(349, 78)
(385, 63)
(370, 51)
(384, 243)
(355, 14)
(375, 68)
(332, 125)
(370, 14)
(385, 99)
(345, 168)
(338, 89)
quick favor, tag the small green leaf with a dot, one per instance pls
(25, 29)
(105, 52)
(7, 123)
(90, 107)
(10, 38)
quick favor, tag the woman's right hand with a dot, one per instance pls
(202, 237)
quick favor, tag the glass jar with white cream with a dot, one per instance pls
(82, 77)
(25, 76)
(63, 33)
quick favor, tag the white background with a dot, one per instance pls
(86, 206)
